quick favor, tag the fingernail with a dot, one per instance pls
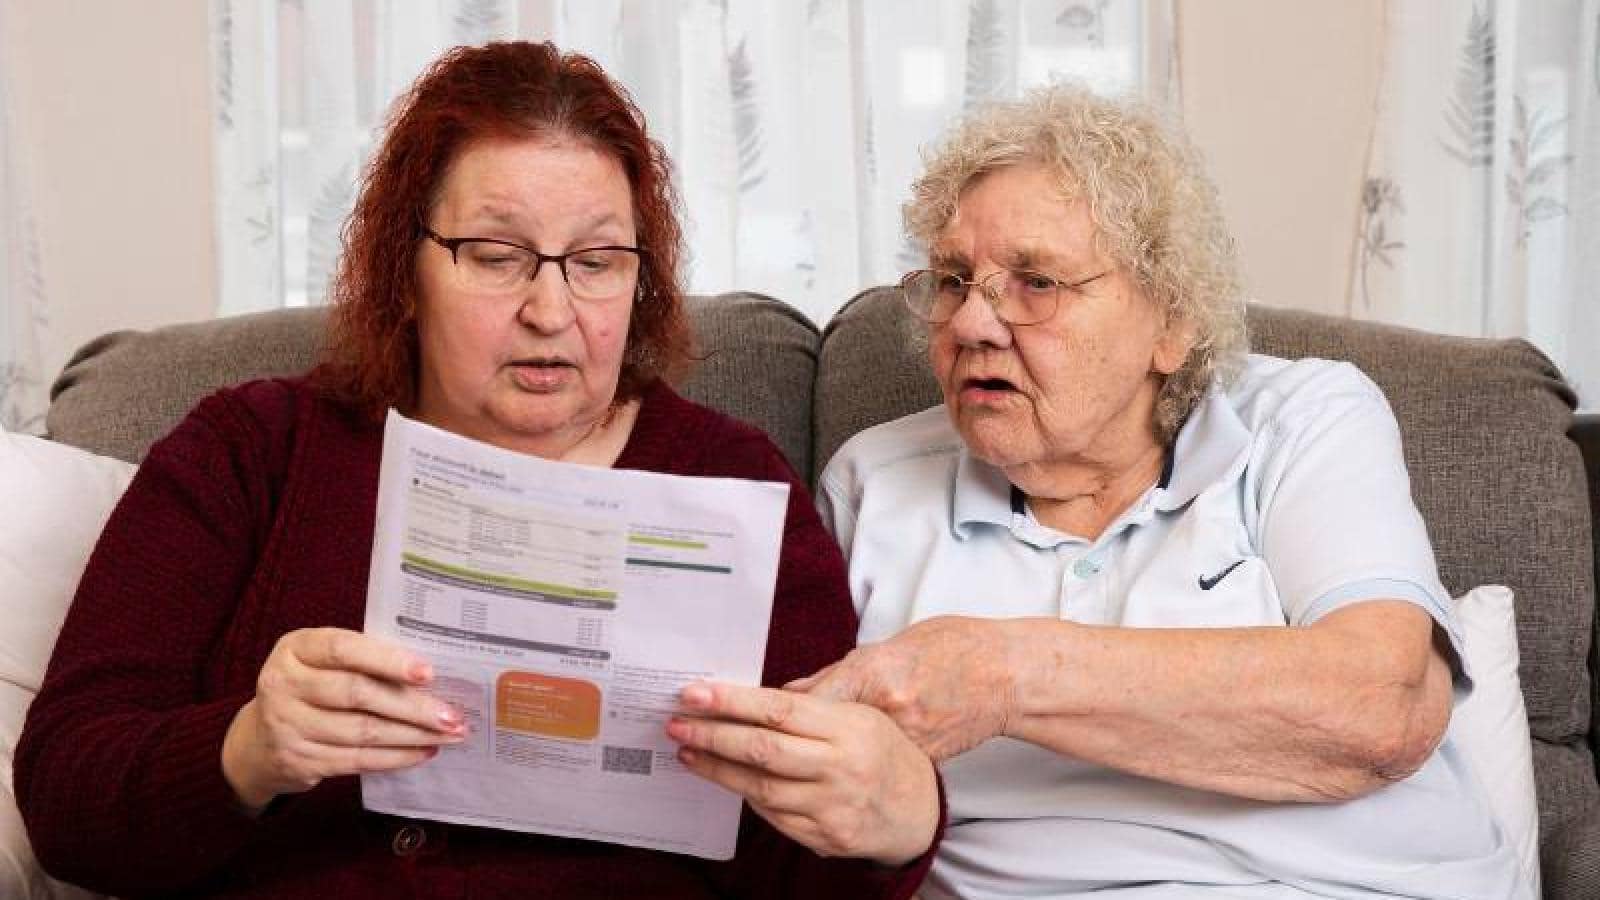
(677, 729)
(448, 717)
(686, 756)
(697, 695)
(420, 672)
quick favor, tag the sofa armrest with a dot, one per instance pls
(1569, 859)
(1585, 433)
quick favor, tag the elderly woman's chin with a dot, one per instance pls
(999, 437)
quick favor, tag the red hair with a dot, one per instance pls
(513, 90)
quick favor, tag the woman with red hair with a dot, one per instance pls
(509, 275)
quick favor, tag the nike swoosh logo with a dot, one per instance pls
(1207, 584)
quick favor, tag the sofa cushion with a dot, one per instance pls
(758, 364)
(56, 500)
(872, 368)
(124, 390)
(1491, 724)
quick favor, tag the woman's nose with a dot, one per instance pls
(975, 321)
(547, 301)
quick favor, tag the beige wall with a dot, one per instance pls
(112, 97)
(1280, 95)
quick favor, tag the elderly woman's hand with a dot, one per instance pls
(948, 682)
(839, 778)
(333, 702)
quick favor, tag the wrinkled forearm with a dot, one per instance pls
(1311, 714)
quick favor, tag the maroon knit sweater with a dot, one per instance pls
(254, 518)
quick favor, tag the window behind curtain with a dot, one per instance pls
(794, 127)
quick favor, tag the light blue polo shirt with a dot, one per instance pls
(1286, 497)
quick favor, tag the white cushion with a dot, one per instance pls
(55, 499)
(1491, 724)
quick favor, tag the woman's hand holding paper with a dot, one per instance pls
(333, 702)
(837, 777)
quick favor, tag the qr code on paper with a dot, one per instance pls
(628, 760)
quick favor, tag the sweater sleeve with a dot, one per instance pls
(813, 625)
(118, 770)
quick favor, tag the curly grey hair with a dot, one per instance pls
(1155, 210)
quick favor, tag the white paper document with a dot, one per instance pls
(563, 608)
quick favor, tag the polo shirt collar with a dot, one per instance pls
(1212, 442)
(982, 495)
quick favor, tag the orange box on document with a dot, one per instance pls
(547, 705)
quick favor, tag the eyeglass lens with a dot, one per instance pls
(591, 274)
(1018, 296)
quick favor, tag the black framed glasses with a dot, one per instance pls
(490, 266)
(1018, 296)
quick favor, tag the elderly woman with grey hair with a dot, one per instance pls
(1164, 612)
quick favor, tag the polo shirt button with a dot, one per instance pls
(1085, 567)
(409, 840)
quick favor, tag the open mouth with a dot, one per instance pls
(988, 384)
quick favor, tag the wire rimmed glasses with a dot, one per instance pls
(493, 266)
(1018, 296)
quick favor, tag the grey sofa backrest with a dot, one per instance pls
(758, 362)
(122, 391)
(1501, 486)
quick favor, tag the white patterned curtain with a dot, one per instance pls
(1481, 206)
(24, 312)
(795, 127)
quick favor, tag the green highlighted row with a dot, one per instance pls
(506, 581)
(666, 542)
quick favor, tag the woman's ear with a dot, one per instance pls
(1172, 347)
(1177, 336)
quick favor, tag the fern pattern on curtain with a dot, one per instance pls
(24, 307)
(794, 127)
(1481, 206)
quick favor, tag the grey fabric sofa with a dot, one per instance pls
(1490, 439)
